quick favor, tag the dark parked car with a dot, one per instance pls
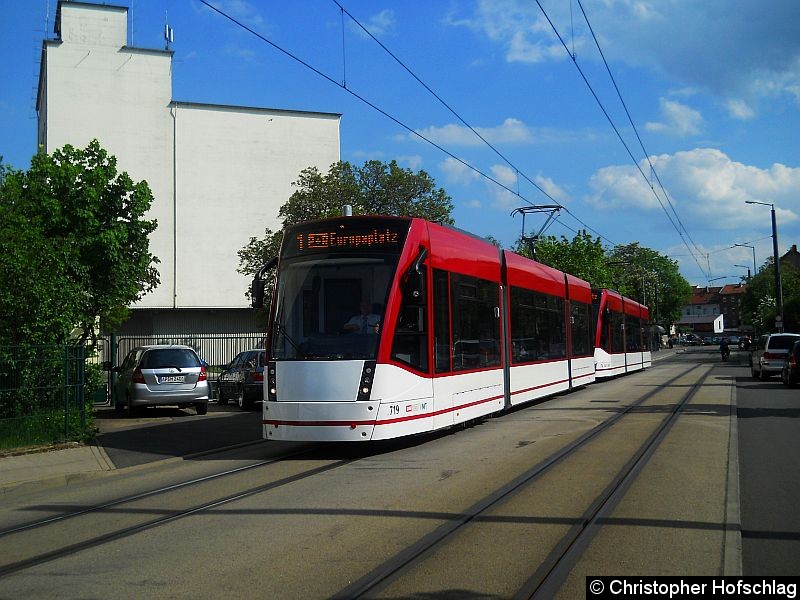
(769, 354)
(161, 375)
(791, 369)
(242, 380)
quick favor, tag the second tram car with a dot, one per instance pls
(622, 334)
(382, 327)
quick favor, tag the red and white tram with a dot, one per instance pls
(622, 334)
(382, 327)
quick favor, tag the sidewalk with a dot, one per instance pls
(53, 468)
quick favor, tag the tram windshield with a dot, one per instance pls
(331, 307)
(333, 283)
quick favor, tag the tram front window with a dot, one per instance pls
(331, 308)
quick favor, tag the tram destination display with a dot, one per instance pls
(380, 237)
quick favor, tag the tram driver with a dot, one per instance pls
(364, 322)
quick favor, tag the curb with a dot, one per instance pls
(105, 468)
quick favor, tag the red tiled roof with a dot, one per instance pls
(701, 295)
(739, 288)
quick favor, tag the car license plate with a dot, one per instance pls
(171, 379)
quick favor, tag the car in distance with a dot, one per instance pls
(242, 380)
(691, 340)
(790, 374)
(171, 375)
(769, 354)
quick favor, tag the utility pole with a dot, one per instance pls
(777, 265)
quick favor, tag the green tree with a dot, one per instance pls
(75, 246)
(651, 278)
(758, 302)
(583, 256)
(377, 188)
(637, 272)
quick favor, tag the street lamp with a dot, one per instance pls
(745, 267)
(753, 248)
(778, 287)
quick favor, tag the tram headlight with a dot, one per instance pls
(272, 382)
(367, 379)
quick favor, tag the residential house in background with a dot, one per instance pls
(714, 310)
(703, 314)
(730, 303)
(792, 257)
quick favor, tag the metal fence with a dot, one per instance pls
(216, 349)
(43, 391)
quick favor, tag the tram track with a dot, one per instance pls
(289, 496)
(549, 575)
(140, 496)
(17, 557)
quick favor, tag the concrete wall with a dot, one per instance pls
(218, 174)
(234, 170)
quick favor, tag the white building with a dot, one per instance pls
(218, 174)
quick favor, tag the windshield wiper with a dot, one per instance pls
(282, 329)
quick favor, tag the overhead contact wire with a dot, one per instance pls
(362, 99)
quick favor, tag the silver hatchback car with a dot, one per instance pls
(161, 375)
(770, 353)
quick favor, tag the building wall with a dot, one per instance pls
(218, 174)
(234, 170)
(98, 88)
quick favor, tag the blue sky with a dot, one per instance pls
(712, 87)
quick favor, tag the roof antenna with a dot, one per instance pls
(169, 33)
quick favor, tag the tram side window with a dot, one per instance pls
(475, 323)
(581, 329)
(633, 333)
(441, 320)
(601, 321)
(617, 332)
(647, 336)
(410, 344)
(537, 326)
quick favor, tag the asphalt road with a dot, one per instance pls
(769, 454)
(157, 433)
(769, 464)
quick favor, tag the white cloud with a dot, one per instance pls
(738, 109)
(705, 186)
(550, 187)
(241, 10)
(378, 25)
(503, 198)
(678, 119)
(456, 172)
(752, 51)
(510, 131)
(505, 175)
(381, 23)
(413, 162)
(518, 27)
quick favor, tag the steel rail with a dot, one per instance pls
(393, 568)
(20, 565)
(147, 494)
(553, 571)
